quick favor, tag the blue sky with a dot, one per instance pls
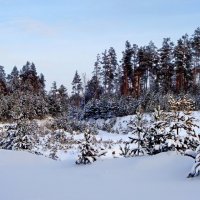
(60, 36)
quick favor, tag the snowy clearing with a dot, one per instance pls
(25, 176)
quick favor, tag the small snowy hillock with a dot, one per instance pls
(26, 176)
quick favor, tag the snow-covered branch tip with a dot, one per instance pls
(195, 171)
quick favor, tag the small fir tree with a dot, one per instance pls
(182, 124)
(88, 152)
(139, 131)
(155, 139)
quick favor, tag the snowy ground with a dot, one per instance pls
(25, 176)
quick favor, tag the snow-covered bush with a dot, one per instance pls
(21, 136)
(56, 140)
(108, 124)
(109, 107)
(53, 153)
(127, 150)
(70, 125)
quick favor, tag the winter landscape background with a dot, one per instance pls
(127, 123)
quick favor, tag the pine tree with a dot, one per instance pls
(109, 66)
(153, 68)
(13, 80)
(22, 136)
(195, 40)
(30, 81)
(139, 131)
(77, 84)
(136, 72)
(183, 64)
(42, 81)
(105, 70)
(93, 89)
(181, 120)
(166, 65)
(88, 152)
(118, 81)
(63, 98)
(96, 78)
(77, 90)
(55, 108)
(127, 67)
(3, 86)
(113, 69)
(23, 139)
(143, 70)
(155, 139)
(41, 106)
(4, 107)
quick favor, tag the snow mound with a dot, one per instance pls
(26, 176)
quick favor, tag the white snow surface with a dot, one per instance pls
(25, 176)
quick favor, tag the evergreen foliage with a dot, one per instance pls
(196, 167)
(156, 138)
(88, 152)
(21, 136)
(139, 130)
(145, 76)
(181, 119)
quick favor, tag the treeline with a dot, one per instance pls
(23, 95)
(145, 76)
(171, 68)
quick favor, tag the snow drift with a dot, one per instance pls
(25, 176)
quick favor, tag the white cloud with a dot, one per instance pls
(30, 26)
(37, 27)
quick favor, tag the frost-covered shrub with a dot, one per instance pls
(127, 150)
(71, 126)
(74, 112)
(109, 107)
(21, 136)
(61, 123)
(108, 125)
(53, 153)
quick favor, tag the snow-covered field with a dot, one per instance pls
(25, 176)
